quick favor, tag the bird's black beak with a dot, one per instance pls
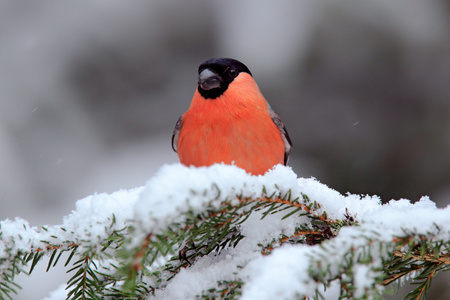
(209, 80)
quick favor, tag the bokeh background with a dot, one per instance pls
(90, 92)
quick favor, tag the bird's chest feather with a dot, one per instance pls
(218, 125)
(231, 134)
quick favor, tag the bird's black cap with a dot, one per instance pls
(220, 73)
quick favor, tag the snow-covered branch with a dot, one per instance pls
(217, 232)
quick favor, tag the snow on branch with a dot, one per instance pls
(217, 232)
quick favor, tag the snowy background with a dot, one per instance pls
(90, 92)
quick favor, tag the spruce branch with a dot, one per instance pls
(422, 260)
(255, 228)
(213, 229)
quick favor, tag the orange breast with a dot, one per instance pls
(234, 128)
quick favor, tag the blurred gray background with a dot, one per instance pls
(90, 92)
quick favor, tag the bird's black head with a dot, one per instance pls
(215, 75)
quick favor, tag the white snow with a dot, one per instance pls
(285, 273)
(92, 220)
(176, 189)
(363, 279)
(280, 275)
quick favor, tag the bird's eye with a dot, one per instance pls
(232, 72)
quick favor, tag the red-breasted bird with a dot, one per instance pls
(229, 121)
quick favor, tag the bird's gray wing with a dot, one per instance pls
(284, 134)
(176, 133)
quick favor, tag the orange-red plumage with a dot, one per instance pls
(236, 127)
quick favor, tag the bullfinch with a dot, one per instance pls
(230, 122)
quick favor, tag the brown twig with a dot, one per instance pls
(137, 264)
